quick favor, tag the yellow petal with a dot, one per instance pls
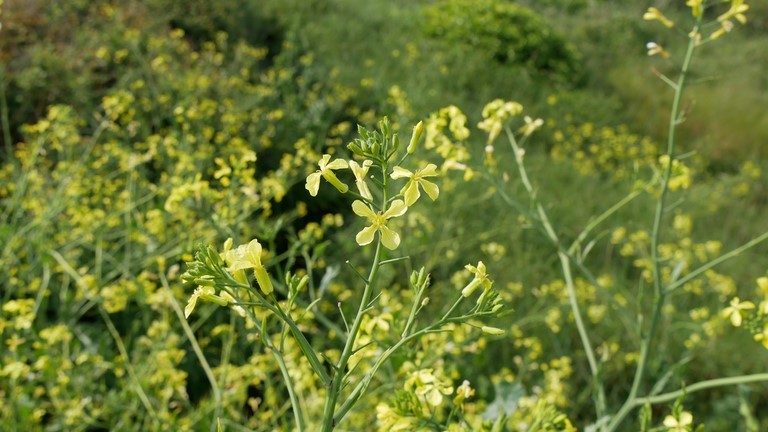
(400, 172)
(323, 164)
(429, 171)
(313, 183)
(397, 208)
(190, 305)
(361, 209)
(253, 253)
(389, 238)
(411, 193)
(365, 236)
(430, 188)
(337, 164)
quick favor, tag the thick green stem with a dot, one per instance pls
(646, 346)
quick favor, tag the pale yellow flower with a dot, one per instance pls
(326, 171)
(653, 14)
(734, 311)
(249, 257)
(389, 238)
(681, 423)
(531, 125)
(411, 189)
(736, 10)
(205, 293)
(481, 278)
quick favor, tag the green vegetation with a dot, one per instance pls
(601, 268)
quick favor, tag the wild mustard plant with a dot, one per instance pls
(272, 308)
(666, 267)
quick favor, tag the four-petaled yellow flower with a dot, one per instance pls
(735, 309)
(481, 278)
(326, 171)
(411, 189)
(360, 172)
(681, 423)
(389, 238)
(249, 257)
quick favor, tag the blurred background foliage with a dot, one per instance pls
(134, 130)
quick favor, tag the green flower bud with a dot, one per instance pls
(492, 330)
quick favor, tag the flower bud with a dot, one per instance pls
(418, 131)
(492, 330)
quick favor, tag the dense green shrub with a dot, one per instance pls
(511, 34)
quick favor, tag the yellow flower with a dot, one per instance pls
(205, 293)
(695, 6)
(389, 238)
(249, 257)
(735, 309)
(531, 125)
(463, 392)
(763, 337)
(762, 283)
(495, 114)
(411, 189)
(655, 14)
(481, 278)
(681, 423)
(736, 11)
(326, 171)
(360, 172)
(654, 48)
(725, 27)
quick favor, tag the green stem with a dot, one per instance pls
(703, 385)
(566, 266)
(646, 346)
(329, 418)
(298, 412)
(358, 391)
(722, 258)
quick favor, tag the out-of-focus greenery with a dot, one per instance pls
(133, 131)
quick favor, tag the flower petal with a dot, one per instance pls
(430, 188)
(361, 209)
(190, 305)
(253, 253)
(365, 236)
(337, 164)
(313, 183)
(397, 208)
(411, 193)
(389, 238)
(323, 163)
(429, 171)
(399, 172)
